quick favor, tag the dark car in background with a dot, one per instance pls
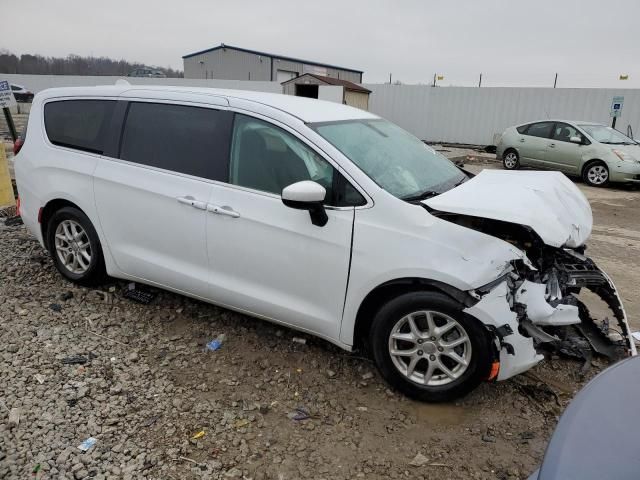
(21, 93)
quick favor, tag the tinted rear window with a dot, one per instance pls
(542, 129)
(522, 128)
(183, 139)
(79, 124)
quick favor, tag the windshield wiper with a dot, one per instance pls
(421, 196)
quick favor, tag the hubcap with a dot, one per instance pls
(510, 160)
(430, 348)
(598, 174)
(73, 246)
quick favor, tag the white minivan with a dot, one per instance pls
(318, 216)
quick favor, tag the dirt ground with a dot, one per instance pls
(147, 386)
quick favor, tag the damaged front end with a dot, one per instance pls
(534, 305)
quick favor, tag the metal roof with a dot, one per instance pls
(265, 54)
(332, 81)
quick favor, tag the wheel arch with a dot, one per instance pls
(590, 162)
(48, 210)
(384, 292)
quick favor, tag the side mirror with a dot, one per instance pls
(307, 195)
(577, 140)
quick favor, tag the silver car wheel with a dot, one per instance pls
(511, 160)
(598, 174)
(73, 246)
(430, 348)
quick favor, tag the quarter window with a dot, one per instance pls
(190, 140)
(267, 158)
(542, 129)
(78, 124)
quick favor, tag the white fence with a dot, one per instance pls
(442, 114)
(474, 115)
(36, 83)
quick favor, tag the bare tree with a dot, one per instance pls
(72, 65)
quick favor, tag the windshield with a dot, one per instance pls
(394, 159)
(607, 135)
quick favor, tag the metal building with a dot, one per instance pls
(234, 63)
(308, 85)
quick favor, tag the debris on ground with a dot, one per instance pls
(137, 294)
(300, 340)
(87, 444)
(198, 435)
(299, 414)
(75, 360)
(419, 460)
(216, 343)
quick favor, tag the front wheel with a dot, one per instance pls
(428, 348)
(596, 174)
(75, 247)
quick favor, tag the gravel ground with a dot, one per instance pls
(78, 363)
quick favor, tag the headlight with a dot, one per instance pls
(624, 156)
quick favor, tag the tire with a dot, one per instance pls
(596, 174)
(476, 350)
(70, 235)
(511, 160)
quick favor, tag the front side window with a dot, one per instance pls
(267, 158)
(607, 135)
(542, 129)
(563, 132)
(393, 158)
(78, 124)
(183, 139)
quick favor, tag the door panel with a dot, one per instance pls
(271, 260)
(268, 258)
(533, 143)
(152, 202)
(150, 233)
(562, 154)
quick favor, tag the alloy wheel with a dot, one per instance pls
(430, 348)
(73, 246)
(511, 160)
(598, 174)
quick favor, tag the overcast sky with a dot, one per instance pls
(512, 42)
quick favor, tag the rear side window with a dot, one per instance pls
(542, 129)
(78, 124)
(190, 140)
(522, 129)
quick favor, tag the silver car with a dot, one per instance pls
(597, 153)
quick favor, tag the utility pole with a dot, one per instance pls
(389, 79)
(613, 122)
(555, 82)
(434, 79)
(480, 81)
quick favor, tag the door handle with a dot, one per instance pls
(224, 210)
(552, 145)
(522, 140)
(189, 200)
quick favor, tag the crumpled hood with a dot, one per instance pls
(547, 202)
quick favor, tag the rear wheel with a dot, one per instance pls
(511, 160)
(428, 348)
(75, 248)
(596, 174)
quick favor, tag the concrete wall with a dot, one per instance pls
(36, 83)
(474, 115)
